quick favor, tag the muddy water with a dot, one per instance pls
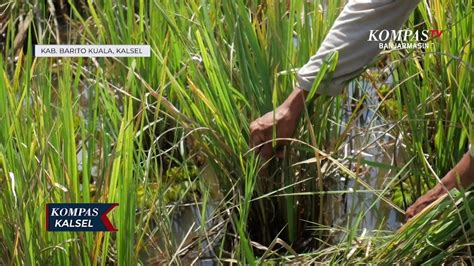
(187, 227)
(370, 139)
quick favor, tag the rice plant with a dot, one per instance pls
(166, 137)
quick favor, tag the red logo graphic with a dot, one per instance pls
(436, 33)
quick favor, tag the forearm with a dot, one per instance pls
(294, 103)
(462, 175)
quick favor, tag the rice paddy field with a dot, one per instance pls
(167, 137)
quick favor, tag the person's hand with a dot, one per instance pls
(461, 175)
(284, 119)
(423, 201)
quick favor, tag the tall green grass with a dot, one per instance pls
(154, 134)
(437, 91)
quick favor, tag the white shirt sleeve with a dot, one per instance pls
(349, 36)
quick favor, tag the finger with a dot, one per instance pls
(266, 152)
(409, 214)
(413, 211)
(255, 138)
(255, 144)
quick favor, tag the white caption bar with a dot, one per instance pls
(92, 50)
